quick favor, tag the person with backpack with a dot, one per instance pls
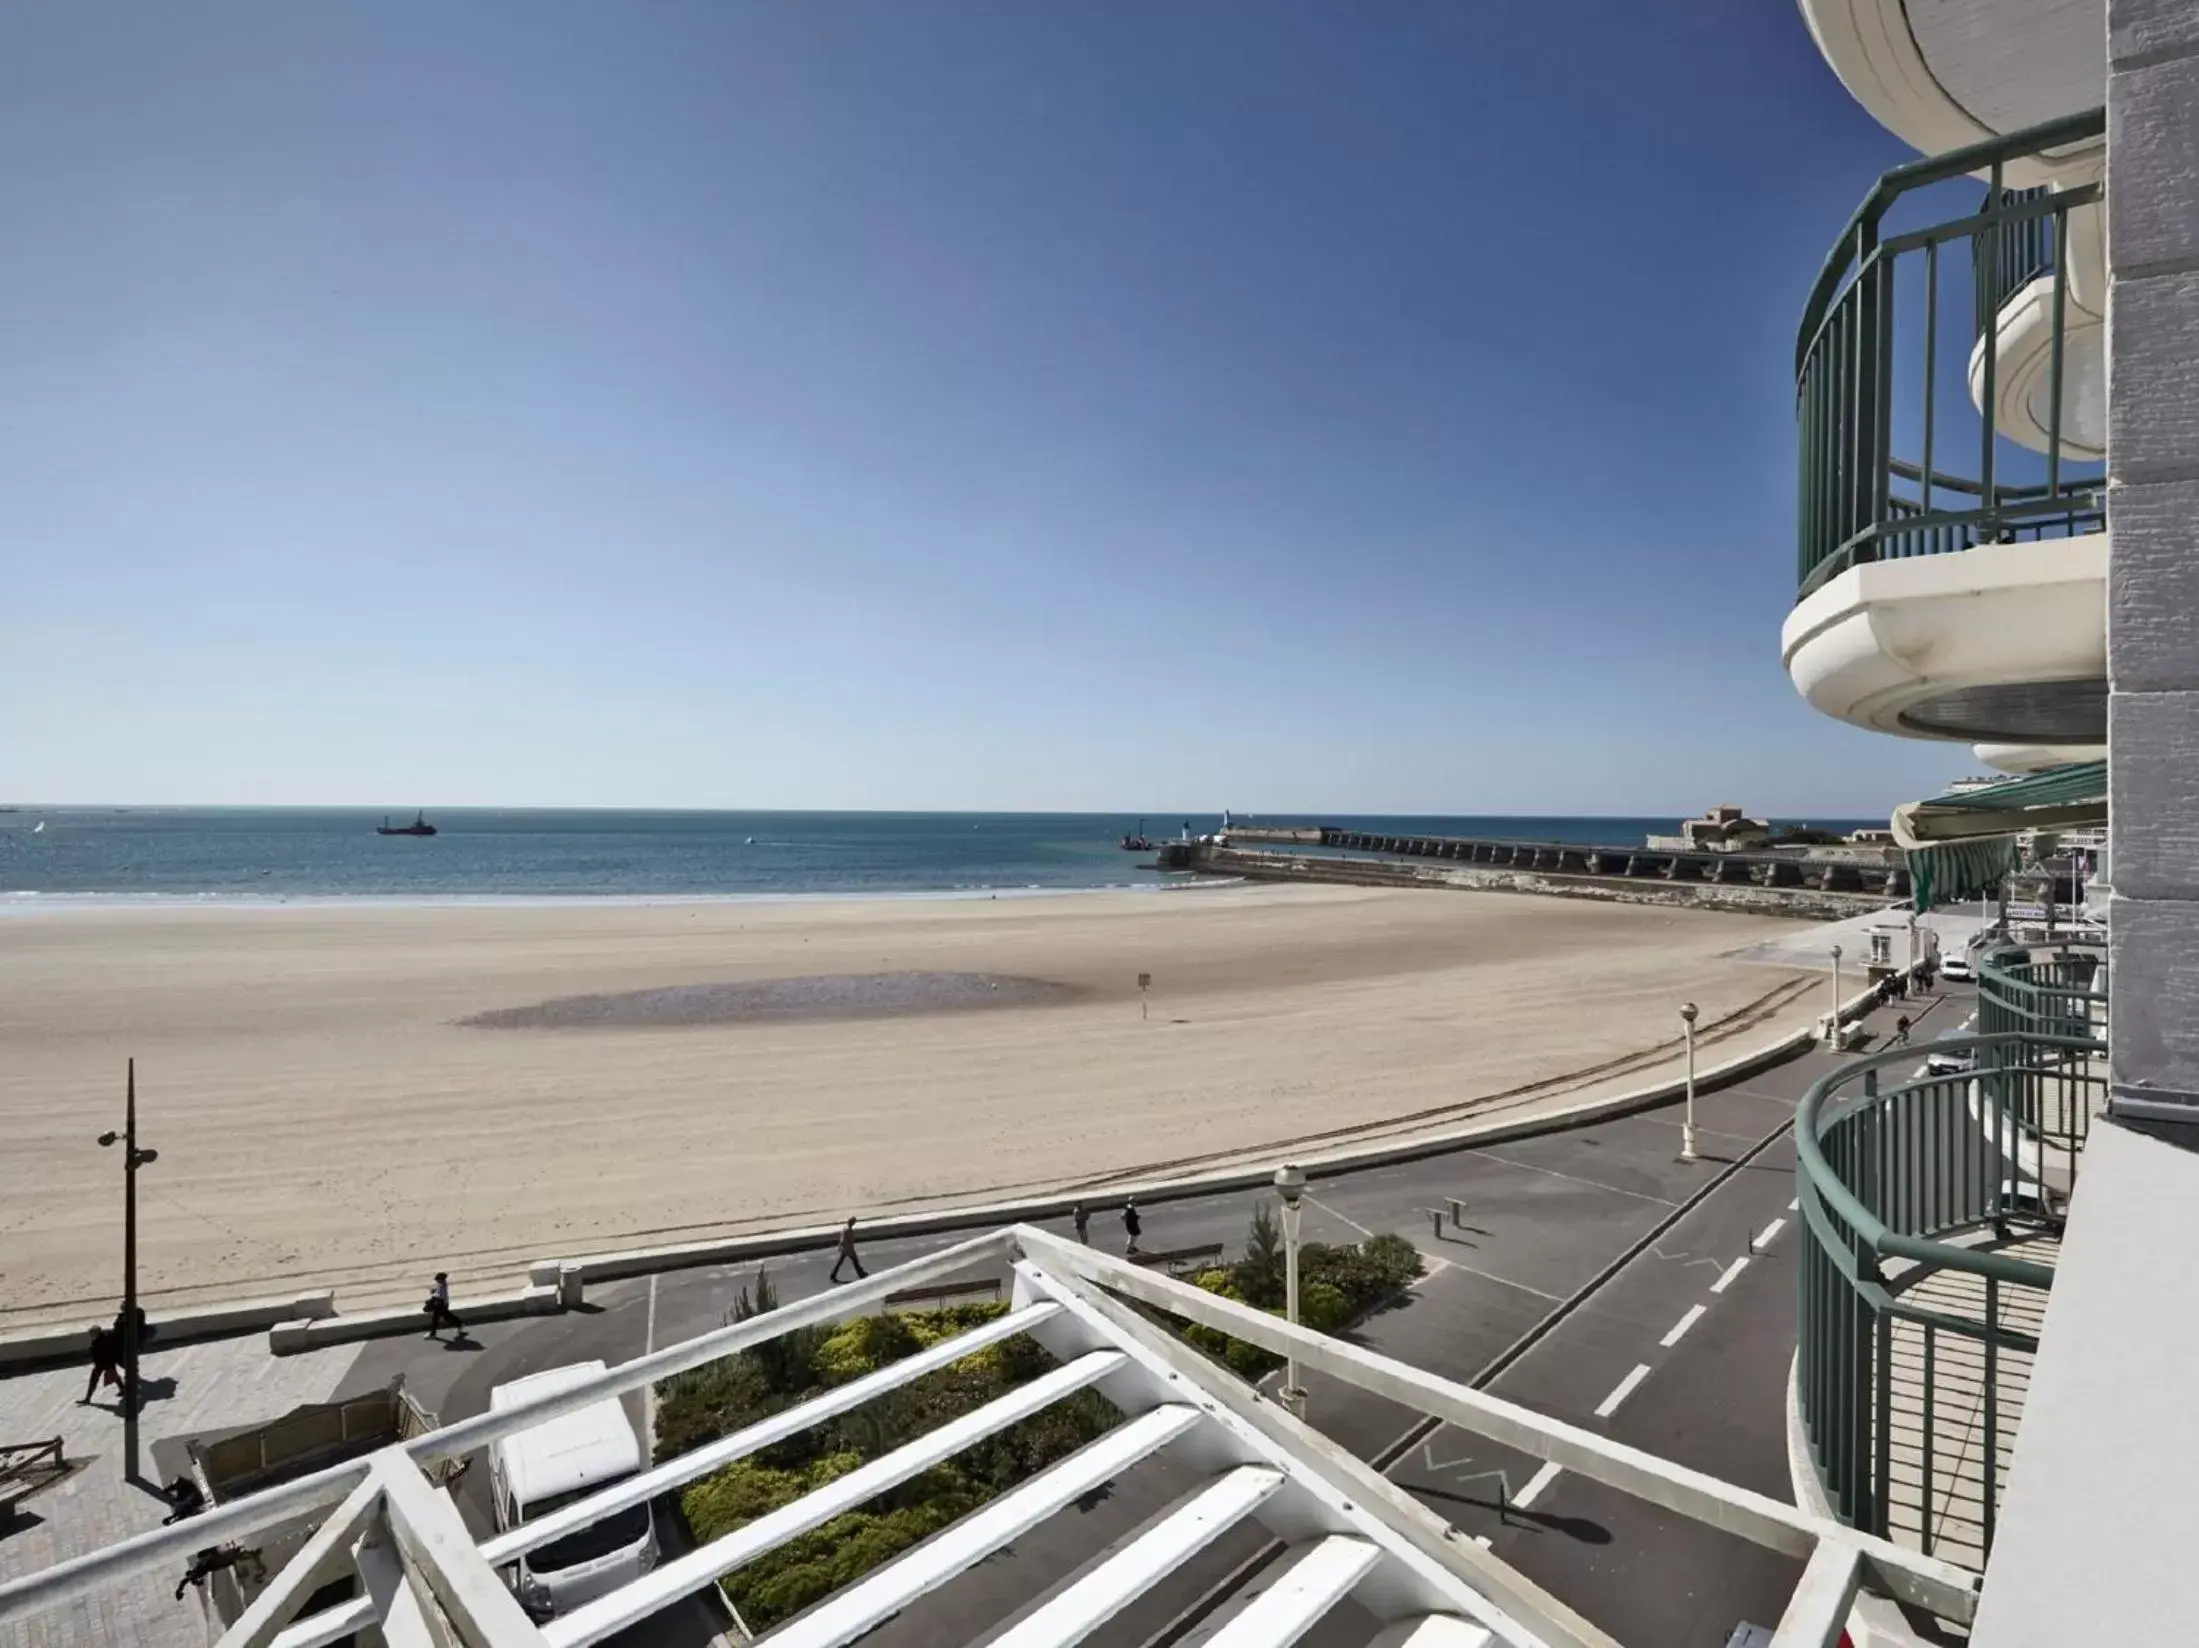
(440, 1315)
(1133, 1226)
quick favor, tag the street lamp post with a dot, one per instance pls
(1834, 1021)
(132, 1159)
(1687, 1125)
(1290, 1183)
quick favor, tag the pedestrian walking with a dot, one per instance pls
(1901, 1032)
(440, 1315)
(1081, 1217)
(106, 1363)
(848, 1255)
(1132, 1225)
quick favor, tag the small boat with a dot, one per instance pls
(1138, 843)
(39, 828)
(418, 826)
(750, 842)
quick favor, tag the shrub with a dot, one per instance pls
(727, 1396)
(862, 1346)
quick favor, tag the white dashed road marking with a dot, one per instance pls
(1694, 1315)
(1764, 1236)
(1726, 1280)
(1610, 1404)
(1535, 1484)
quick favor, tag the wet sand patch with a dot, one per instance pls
(827, 996)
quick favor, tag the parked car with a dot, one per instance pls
(1956, 965)
(1944, 1058)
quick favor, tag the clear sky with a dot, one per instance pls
(1115, 404)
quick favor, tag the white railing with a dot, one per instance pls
(424, 1579)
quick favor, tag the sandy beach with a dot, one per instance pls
(663, 1073)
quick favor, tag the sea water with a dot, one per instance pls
(106, 854)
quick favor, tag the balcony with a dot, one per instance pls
(1950, 396)
(1932, 1212)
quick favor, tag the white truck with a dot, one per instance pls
(548, 1466)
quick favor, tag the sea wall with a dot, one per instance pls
(1803, 903)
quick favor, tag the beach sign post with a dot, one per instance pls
(1145, 984)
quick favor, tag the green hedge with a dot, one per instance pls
(726, 1396)
(1336, 1286)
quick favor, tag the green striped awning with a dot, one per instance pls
(1963, 845)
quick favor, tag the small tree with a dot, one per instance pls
(1260, 1272)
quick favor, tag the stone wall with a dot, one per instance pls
(2153, 548)
(1808, 904)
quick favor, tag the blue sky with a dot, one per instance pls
(1367, 408)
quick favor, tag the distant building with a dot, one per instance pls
(1720, 830)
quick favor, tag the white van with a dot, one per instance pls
(549, 1466)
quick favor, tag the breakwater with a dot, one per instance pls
(1757, 883)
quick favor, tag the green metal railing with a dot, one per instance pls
(1861, 500)
(1890, 1177)
(2060, 991)
(2023, 249)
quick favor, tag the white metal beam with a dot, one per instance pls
(222, 1524)
(700, 1567)
(1433, 1568)
(439, 1553)
(1156, 1553)
(833, 1305)
(330, 1625)
(1948, 1590)
(886, 1591)
(271, 1610)
(673, 1473)
(1818, 1611)
(1317, 1581)
(391, 1602)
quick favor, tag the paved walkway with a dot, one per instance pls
(191, 1389)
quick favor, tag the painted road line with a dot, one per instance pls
(1491, 1276)
(1483, 1541)
(1764, 1236)
(1795, 1205)
(1610, 1404)
(1341, 1218)
(1593, 1184)
(1535, 1484)
(1694, 1315)
(1725, 1280)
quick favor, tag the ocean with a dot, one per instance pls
(103, 855)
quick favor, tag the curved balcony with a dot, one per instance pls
(1929, 1244)
(1952, 552)
(1953, 72)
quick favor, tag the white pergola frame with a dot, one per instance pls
(1351, 1532)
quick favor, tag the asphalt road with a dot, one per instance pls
(1684, 1351)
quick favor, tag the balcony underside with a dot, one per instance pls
(2002, 644)
(1942, 74)
(2031, 758)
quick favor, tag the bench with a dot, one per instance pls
(986, 1288)
(1179, 1259)
(26, 1467)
